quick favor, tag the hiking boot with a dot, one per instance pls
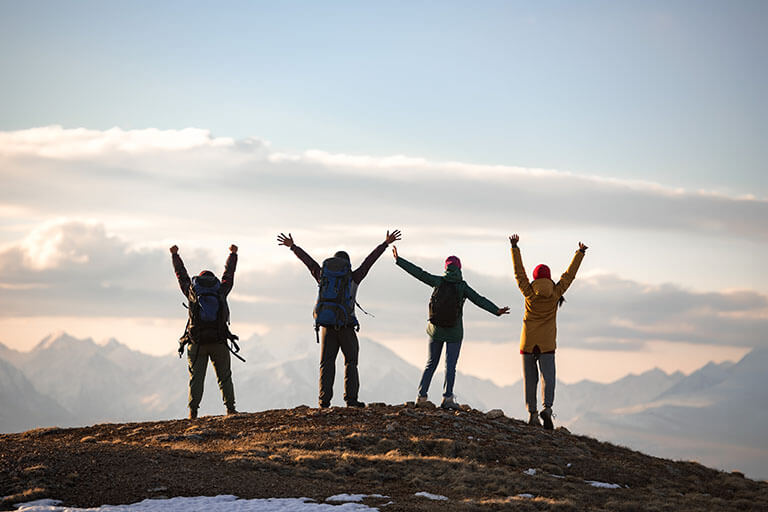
(449, 402)
(355, 403)
(231, 410)
(546, 417)
(324, 405)
(533, 419)
(193, 414)
(422, 400)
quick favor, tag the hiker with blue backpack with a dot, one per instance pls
(207, 333)
(445, 325)
(543, 297)
(336, 325)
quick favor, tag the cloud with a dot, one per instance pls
(57, 142)
(180, 174)
(77, 268)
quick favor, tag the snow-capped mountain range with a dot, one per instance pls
(716, 415)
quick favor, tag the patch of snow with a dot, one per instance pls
(530, 471)
(45, 502)
(602, 485)
(556, 476)
(430, 496)
(525, 495)
(348, 498)
(223, 503)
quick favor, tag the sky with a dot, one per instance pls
(637, 128)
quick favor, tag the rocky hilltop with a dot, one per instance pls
(479, 461)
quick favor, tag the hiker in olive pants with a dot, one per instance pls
(197, 359)
(208, 340)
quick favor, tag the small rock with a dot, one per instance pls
(465, 407)
(158, 489)
(390, 427)
(377, 404)
(495, 413)
(88, 439)
(410, 405)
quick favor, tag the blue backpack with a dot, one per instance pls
(335, 306)
(206, 293)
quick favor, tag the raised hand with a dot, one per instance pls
(285, 240)
(583, 248)
(174, 249)
(392, 237)
(394, 252)
(233, 248)
(503, 311)
(513, 240)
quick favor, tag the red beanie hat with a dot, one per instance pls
(453, 260)
(541, 271)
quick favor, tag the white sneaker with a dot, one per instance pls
(449, 402)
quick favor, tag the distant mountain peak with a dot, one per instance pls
(59, 338)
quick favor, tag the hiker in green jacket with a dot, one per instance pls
(445, 324)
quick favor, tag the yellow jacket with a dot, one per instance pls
(541, 296)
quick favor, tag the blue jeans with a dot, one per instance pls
(433, 357)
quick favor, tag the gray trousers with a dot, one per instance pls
(546, 362)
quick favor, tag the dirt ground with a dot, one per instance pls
(480, 462)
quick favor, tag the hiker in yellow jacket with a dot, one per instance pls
(538, 339)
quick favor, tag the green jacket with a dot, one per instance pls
(453, 275)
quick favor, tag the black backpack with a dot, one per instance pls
(208, 312)
(445, 305)
(208, 320)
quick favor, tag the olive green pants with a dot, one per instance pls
(197, 357)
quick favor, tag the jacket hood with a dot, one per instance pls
(543, 287)
(452, 274)
(207, 279)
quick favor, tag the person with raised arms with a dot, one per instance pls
(445, 325)
(335, 322)
(543, 297)
(207, 332)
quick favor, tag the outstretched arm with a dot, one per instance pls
(417, 272)
(483, 303)
(569, 275)
(181, 272)
(522, 279)
(228, 279)
(305, 258)
(362, 271)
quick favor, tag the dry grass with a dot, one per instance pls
(479, 463)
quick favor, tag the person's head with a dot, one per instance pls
(206, 278)
(541, 272)
(342, 254)
(453, 260)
